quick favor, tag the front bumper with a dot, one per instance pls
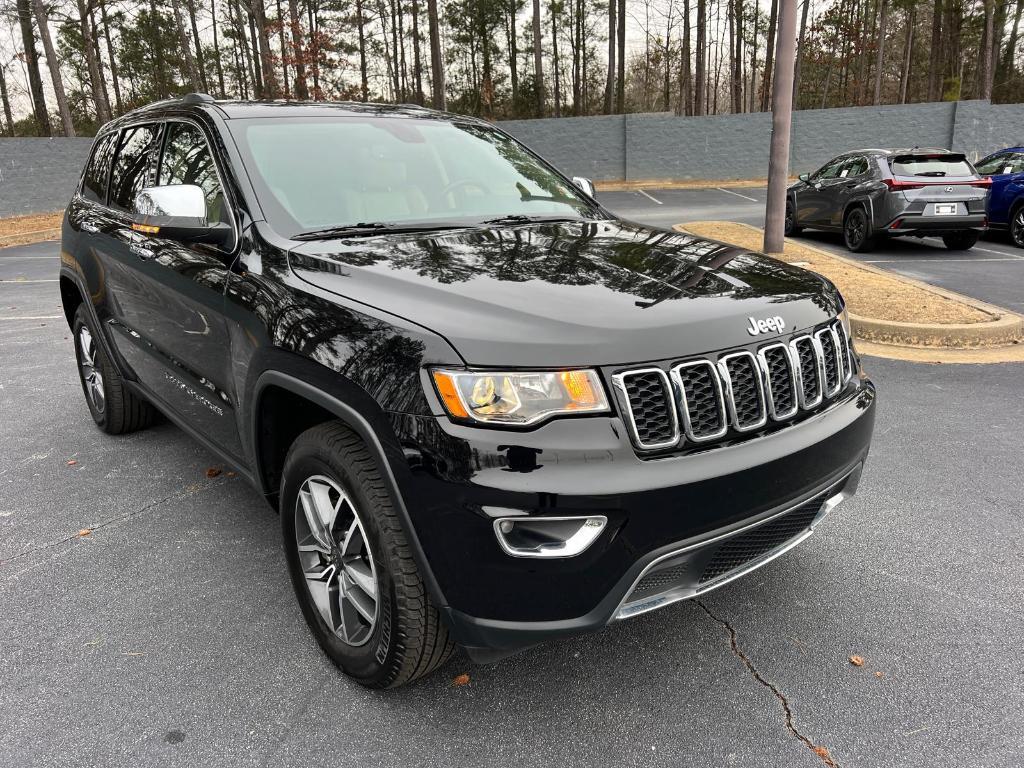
(675, 512)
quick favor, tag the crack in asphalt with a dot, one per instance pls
(188, 491)
(820, 751)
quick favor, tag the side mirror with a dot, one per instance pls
(586, 185)
(804, 177)
(178, 212)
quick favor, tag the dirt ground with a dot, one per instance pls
(33, 228)
(868, 292)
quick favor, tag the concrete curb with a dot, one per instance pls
(1005, 328)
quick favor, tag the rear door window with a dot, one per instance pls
(187, 160)
(855, 166)
(133, 167)
(94, 184)
(931, 165)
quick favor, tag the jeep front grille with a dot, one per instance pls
(738, 391)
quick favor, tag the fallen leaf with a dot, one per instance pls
(72, 462)
(823, 753)
(229, 474)
(878, 674)
(857, 661)
(85, 532)
(213, 472)
(461, 680)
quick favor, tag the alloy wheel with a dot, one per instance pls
(336, 559)
(1017, 227)
(90, 371)
(855, 228)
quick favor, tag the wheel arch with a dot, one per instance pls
(863, 203)
(275, 388)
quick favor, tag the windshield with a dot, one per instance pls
(931, 165)
(314, 173)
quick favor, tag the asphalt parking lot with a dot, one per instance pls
(169, 635)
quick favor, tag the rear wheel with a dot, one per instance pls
(791, 227)
(351, 564)
(1017, 226)
(960, 241)
(857, 231)
(114, 408)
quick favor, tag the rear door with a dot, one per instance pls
(851, 175)
(1006, 169)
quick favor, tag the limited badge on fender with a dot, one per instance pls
(767, 325)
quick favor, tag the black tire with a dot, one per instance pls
(961, 241)
(407, 638)
(791, 228)
(1017, 225)
(857, 233)
(115, 409)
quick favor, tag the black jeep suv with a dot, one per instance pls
(870, 194)
(489, 412)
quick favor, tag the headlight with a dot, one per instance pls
(519, 397)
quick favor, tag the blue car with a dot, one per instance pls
(1006, 202)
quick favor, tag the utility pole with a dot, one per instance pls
(782, 119)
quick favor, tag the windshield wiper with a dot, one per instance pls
(374, 228)
(520, 218)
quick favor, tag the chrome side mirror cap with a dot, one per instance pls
(177, 200)
(586, 185)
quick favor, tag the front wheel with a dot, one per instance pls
(960, 241)
(1017, 226)
(791, 228)
(351, 565)
(857, 231)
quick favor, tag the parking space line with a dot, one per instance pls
(650, 197)
(22, 282)
(33, 317)
(27, 256)
(745, 197)
(927, 258)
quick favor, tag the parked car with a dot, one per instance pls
(489, 412)
(870, 194)
(1006, 203)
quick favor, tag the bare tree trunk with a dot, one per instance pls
(799, 54)
(313, 45)
(363, 80)
(35, 80)
(301, 86)
(6, 99)
(685, 79)
(881, 51)
(700, 70)
(1006, 63)
(284, 52)
(554, 63)
(782, 118)
(436, 60)
(191, 68)
(986, 50)
(769, 56)
(752, 105)
(95, 78)
(114, 76)
(216, 54)
(53, 63)
(620, 60)
(268, 78)
(538, 58)
(908, 49)
(417, 67)
(193, 11)
(99, 58)
(609, 88)
(935, 70)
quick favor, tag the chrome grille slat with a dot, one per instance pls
(705, 399)
(702, 403)
(744, 391)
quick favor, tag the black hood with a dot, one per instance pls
(569, 294)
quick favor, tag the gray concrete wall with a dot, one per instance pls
(736, 146)
(39, 175)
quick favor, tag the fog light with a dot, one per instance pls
(548, 536)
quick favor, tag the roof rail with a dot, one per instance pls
(197, 98)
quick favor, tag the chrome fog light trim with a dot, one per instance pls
(548, 537)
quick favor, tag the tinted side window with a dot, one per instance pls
(94, 185)
(830, 170)
(187, 160)
(856, 166)
(133, 165)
